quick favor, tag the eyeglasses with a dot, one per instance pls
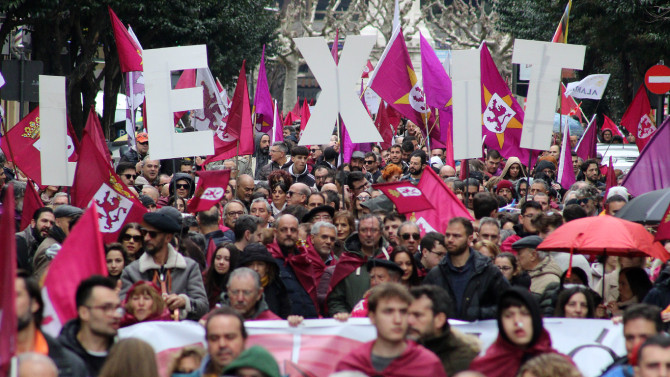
(583, 201)
(143, 142)
(415, 236)
(369, 162)
(363, 186)
(439, 255)
(130, 176)
(151, 233)
(183, 186)
(362, 198)
(244, 292)
(128, 237)
(291, 193)
(107, 308)
(238, 213)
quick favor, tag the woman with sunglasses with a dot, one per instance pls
(359, 210)
(183, 184)
(131, 238)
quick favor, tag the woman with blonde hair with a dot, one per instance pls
(130, 357)
(186, 362)
(487, 248)
(549, 365)
(144, 303)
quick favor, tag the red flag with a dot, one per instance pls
(237, 138)
(31, 203)
(95, 180)
(367, 70)
(610, 178)
(8, 320)
(21, 145)
(406, 197)
(394, 118)
(637, 119)
(210, 189)
(130, 54)
(608, 124)
(502, 117)
(186, 80)
(569, 106)
(94, 128)
(84, 249)
(445, 204)
(384, 126)
(304, 115)
(394, 80)
(464, 173)
(211, 248)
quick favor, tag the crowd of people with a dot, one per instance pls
(300, 235)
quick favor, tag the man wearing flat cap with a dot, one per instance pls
(539, 265)
(177, 276)
(381, 271)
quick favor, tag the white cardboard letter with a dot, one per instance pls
(466, 104)
(547, 60)
(56, 170)
(162, 102)
(338, 95)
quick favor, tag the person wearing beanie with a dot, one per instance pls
(505, 189)
(253, 359)
(177, 276)
(521, 336)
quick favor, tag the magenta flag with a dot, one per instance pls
(263, 106)
(566, 175)
(502, 117)
(437, 87)
(651, 170)
(445, 205)
(84, 249)
(8, 320)
(586, 148)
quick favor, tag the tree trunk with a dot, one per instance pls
(290, 82)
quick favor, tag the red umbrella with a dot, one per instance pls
(604, 235)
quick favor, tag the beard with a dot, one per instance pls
(265, 150)
(24, 320)
(415, 171)
(460, 250)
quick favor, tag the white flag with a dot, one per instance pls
(2, 80)
(591, 87)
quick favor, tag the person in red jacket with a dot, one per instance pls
(521, 336)
(391, 354)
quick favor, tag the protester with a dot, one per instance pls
(653, 357)
(29, 337)
(257, 257)
(429, 326)
(405, 260)
(575, 302)
(186, 362)
(31, 364)
(521, 336)
(244, 294)
(144, 303)
(634, 284)
(226, 337)
(345, 224)
(549, 365)
(131, 238)
(215, 278)
(391, 353)
(178, 277)
(433, 250)
(253, 361)
(540, 266)
(130, 357)
(91, 335)
(117, 259)
(30, 238)
(509, 267)
(473, 282)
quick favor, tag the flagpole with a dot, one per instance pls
(274, 123)
(425, 121)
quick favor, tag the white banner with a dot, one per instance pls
(591, 87)
(317, 345)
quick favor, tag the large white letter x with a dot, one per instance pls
(338, 96)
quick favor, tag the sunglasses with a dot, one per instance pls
(415, 236)
(130, 176)
(369, 162)
(183, 186)
(583, 201)
(143, 142)
(151, 233)
(291, 193)
(128, 237)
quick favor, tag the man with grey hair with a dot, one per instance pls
(150, 169)
(489, 229)
(33, 364)
(278, 161)
(232, 211)
(540, 266)
(544, 200)
(409, 236)
(244, 294)
(262, 209)
(59, 199)
(586, 198)
(151, 192)
(538, 185)
(323, 236)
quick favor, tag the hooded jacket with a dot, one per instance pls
(415, 361)
(511, 161)
(68, 363)
(304, 177)
(350, 278)
(68, 339)
(179, 177)
(260, 158)
(503, 358)
(481, 292)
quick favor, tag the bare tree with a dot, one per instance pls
(466, 24)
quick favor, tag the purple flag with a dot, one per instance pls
(566, 175)
(437, 88)
(651, 170)
(263, 100)
(586, 148)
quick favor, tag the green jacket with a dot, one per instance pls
(255, 357)
(346, 293)
(455, 349)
